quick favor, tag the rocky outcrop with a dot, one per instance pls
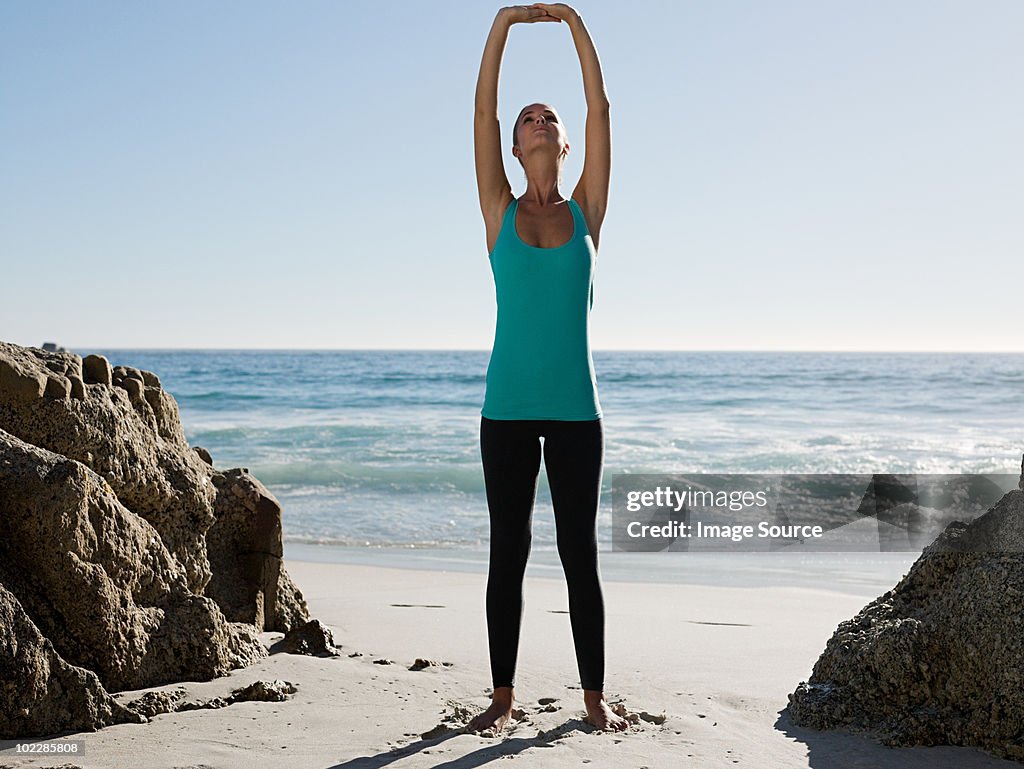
(40, 693)
(98, 581)
(939, 659)
(124, 430)
(313, 638)
(116, 543)
(245, 541)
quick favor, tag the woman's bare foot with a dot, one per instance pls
(498, 714)
(600, 715)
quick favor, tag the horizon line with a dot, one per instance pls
(487, 350)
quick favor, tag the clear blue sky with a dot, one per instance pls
(786, 175)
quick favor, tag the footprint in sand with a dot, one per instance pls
(548, 704)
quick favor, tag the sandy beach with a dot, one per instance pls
(705, 669)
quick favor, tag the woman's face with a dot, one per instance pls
(539, 125)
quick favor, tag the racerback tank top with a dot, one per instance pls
(541, 365)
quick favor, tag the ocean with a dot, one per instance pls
(371, 448)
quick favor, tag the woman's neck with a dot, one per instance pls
(542, 185)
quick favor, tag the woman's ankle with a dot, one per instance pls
(503, 694)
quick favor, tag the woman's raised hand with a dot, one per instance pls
(525, 14)
(560, 11)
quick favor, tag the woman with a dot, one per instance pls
(540, 378)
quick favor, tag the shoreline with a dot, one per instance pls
(863, 574)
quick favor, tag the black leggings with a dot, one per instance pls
(573, 456)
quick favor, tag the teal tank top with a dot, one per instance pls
(541, 365)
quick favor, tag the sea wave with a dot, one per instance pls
(394, 478)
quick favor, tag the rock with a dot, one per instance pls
(74, 365)
(96, 370)
(313, 638)
(104, 515)
(258, 691)
(939, 659)
(52, 347)
(263, 691)
(99, 583)
(211, 704)
(57, 386)
(154, 397)
(133, 387)
(139, 402)
(203, 455)
(152, 704)
(245, 548)
(20, 384)
(60, 362)
(40, 693)
(127, 372)
(141, 451)
(77, 387)
(290, 608)
(421, 664)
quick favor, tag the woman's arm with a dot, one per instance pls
(592, 191)
(492, 183)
